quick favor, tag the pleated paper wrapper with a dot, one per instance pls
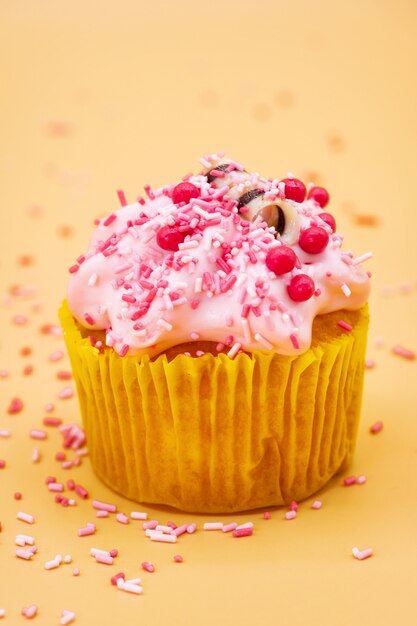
(213, 435)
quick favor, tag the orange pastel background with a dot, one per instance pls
(98, 96)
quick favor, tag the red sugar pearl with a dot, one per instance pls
(183, 192)
(329, 219)
(313, 240)
(294, 189)
(301, 288)
(319, 195)
(280, 260)
(169, 237)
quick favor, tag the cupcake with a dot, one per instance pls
(217, 335)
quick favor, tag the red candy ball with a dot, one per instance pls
(280, 260)
(313, 240)
(329, 219)
(294, 189)
(319, 195)
(168, 237)
(183, 192)
(301, 288)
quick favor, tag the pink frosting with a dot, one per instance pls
(216, 286)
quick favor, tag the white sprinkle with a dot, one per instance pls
(187, 245)
(24, 554)
(129, 587)
(133, 581)
(163, 529)
(67, 558)
(36, 455)
(229, 320)
(362, 258)
(234, 349)
(67, 617)
(138, 515)
(164, 538)
(213, 526)
(27, 539)
(345, 289)
(5, 433)
(317, 504)
(96, 551)
(261, 339)
(245, 525)
(92, 280)
(198, 284)
(25, 517)
(52, 564)
(246, 329)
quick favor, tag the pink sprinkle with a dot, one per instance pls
(104, 506)
(124, 350)
(294, 341)
(57, 487)
(344, 325)
(38, 434)
(350, 480)
(362, 554)
(178, 558)
(76, 571)
(83, 493)
(148, 566)
(52, 421)
(30, 611)
(2, 463)
(376, 428)
(369, 364)
(110, 218)
(17, 495)
(191, 528)
(122, 198)
(290, 515)
(317, 504)
(403, 352)
(122, 518)
(243, 532)
(172, 525)
(103, 558)
(24, 554)
(49, 407)
(15, 406)
(293, 506)
(50, 479)
(88, 530)
(267, 515)
(63, 375)
(65, 393)
(102, 514)
(60, 456)
(150, 525)
(25, 517)
(361, 479)
(180, 530)
(73, 269)
(116, 577)
(228, 527)
(56, 356)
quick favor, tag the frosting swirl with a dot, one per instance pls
(224, 256)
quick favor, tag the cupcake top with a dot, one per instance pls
(224, 256)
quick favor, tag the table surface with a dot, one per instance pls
(101, 96)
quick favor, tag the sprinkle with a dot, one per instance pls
(116, 577)
(294, 341)
(122, 518)
(180, 530)
(345, 290)
(65, 393)
(25, 517)
(104, 559)
(83, 493)
(56, 487)
(131, 588)
(213, 526)
(86, 531)
(30, 611)
(52, 564)
(52, 421)
(267, 515)
(361, 479)
(139, 515)
(344, 325)
(2, 463)
(369, 364)
(67, 617)
(191, 528)
(122, 197)
(73, 269)
(228, 527)
(317, 504)
(362, 258)
(104, 506)
(36, 455)
(67, 559)
(15, 406)
(38, 434)
(102, 514)
(403, 352)
(261, 339)
(234, 350)
(76, 571)
(164, 538)
(376, 428)
(362, 554)
(164, 324)
(5, 433)
(163, 529)
(148, 566)
(178, 558)
(290, 515)
(349, 481)
(245, 525)
(24, 554)
(150, 525)
(243, 532)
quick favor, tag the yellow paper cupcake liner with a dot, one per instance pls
(212, 434)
